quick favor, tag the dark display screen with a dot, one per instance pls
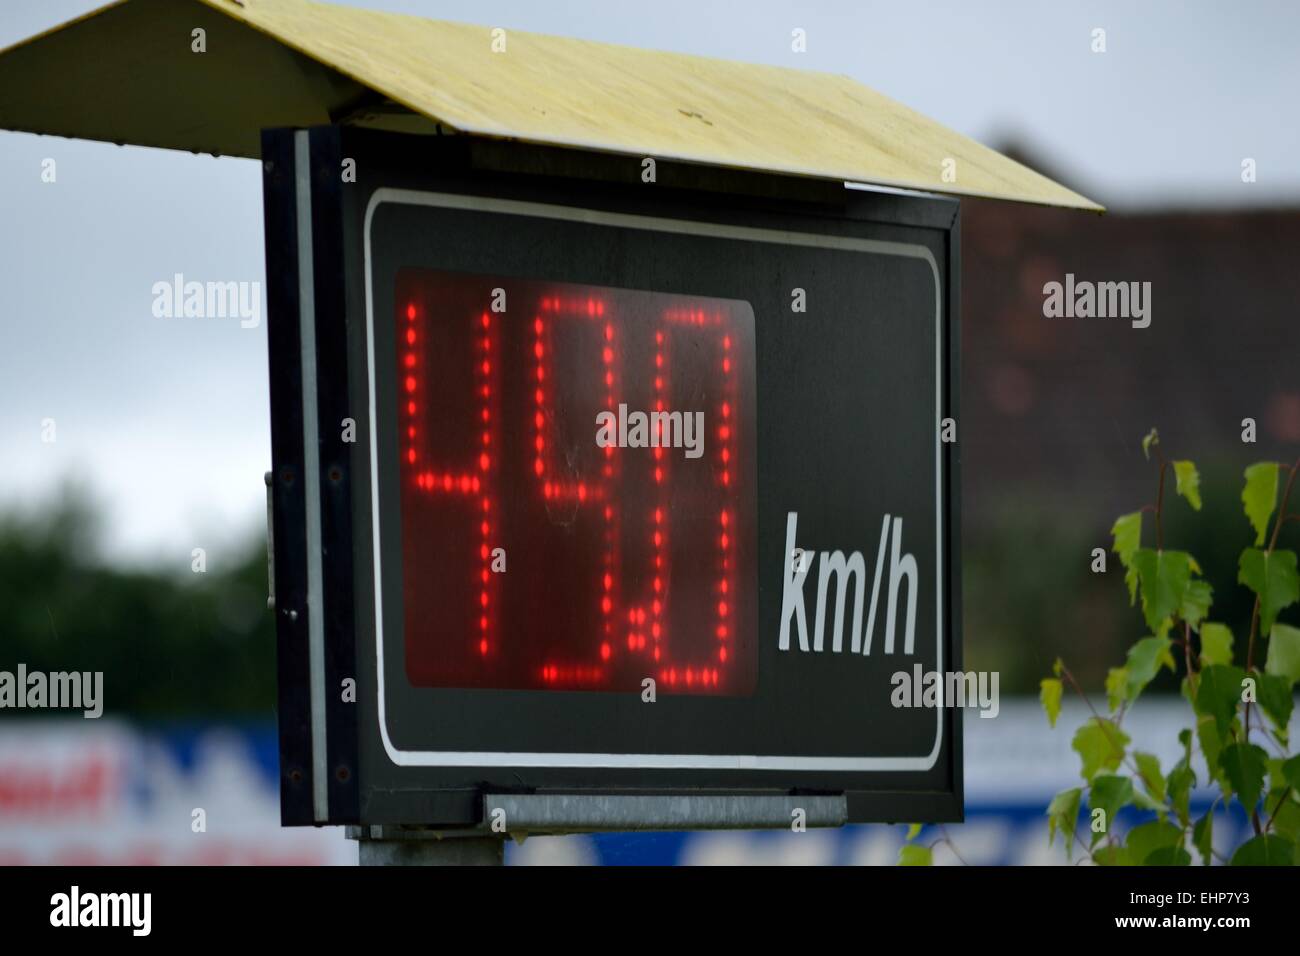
(577, 486)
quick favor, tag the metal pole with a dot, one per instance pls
(412, 846)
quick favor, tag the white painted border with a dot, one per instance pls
(459, 758)
(311, 475)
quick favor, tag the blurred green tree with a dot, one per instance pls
(169, 644)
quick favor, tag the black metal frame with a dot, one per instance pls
(354, 790)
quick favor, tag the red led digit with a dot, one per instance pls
(469, 482)
(558, 482)
(709, 328)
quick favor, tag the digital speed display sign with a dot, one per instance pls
(587, 486)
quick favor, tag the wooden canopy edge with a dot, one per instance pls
(126, 73)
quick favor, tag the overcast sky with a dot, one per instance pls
(167, 421)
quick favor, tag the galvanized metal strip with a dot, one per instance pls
(564, 812)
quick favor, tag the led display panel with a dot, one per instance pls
(577, 489)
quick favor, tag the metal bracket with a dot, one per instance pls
(269, 480)
(574, 813)
(415, 846)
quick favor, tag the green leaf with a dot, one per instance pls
(1265, 850)
(1168, 856)
(1149, 769)
(1203, 837)
(912, 854)
(1284, 653)
(1211, 744)
(1109, 792)
(1273, 577)
(1164, 576)
(1100, 744)
(1285, 810)
(912, 831)
(1144, 840)
(1058, 665)
(1189, 483)
(1145, 658)
(1291, 772)
(1216, 644)
(1181, 780)
(1116, 687)
(1196, 602)
(1218, 693)
(1063, 815)
(1050, 690)
(1143, 801)
(1276, 775)
(1282, 797)
(1151, 438)
(1275, 700)
(1127, 535)
(1259, 496)
(1111, 855)
(1244, 765)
